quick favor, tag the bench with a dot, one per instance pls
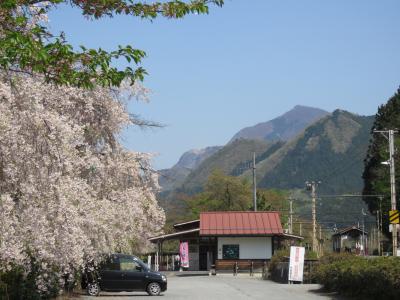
(240, 265)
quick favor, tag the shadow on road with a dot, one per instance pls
(80, 294)
(329, 295)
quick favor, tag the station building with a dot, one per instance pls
(222, 238)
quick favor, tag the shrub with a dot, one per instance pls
(367, 278)
(279, 256)
(17, 283)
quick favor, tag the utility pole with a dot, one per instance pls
(291, 216)
(313, 187)
(379, 226)
(379, 235)
(363, 231)
(392, 187)
(320, 240)
(390, 137)
(254, 183)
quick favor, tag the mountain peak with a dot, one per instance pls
(283, 127)
(192, 158)
(299, 106)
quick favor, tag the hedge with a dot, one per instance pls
(364, 278)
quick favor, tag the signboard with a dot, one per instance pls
(184, 254)
(296, 263)
(394, 217)
(391, 227)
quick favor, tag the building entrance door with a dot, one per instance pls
(203, 251)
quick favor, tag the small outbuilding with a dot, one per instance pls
(224, 238)
(351, 239)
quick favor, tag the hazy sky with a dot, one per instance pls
(249, 62)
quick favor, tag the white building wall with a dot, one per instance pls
(249, 247)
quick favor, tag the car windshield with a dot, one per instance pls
(141, 263)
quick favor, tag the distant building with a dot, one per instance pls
(351, 239)
(222, 238)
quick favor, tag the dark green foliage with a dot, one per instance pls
(364, 278)
(271, 199)
(16, 285)
(221, 193)
(229, 193)
(376, 176)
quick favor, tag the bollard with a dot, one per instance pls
(235, 269)
(213, 270)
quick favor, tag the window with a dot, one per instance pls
(128, 264)
(111, 264)
(230, 251)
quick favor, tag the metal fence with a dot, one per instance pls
(280, 272)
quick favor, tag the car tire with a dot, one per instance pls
(93, 289)
(153, 289)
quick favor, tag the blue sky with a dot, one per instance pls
(249, 62)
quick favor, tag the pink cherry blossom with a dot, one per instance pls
(69, 191)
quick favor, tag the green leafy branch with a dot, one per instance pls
(34, 50)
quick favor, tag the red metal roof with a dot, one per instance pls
(240, 223)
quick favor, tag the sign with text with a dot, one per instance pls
(296, 263)
(184, 254)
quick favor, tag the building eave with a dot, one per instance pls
(173, 235)
(186, 223)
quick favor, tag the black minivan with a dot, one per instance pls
(123, 273)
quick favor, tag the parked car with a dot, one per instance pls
(123, 273)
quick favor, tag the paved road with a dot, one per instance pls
(224, 287)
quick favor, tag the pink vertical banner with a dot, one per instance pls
(184, 253)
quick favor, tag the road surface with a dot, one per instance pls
(224, 287)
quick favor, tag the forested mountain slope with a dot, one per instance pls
(227, 159)
(332, 151)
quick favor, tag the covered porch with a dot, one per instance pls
(202, 250)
